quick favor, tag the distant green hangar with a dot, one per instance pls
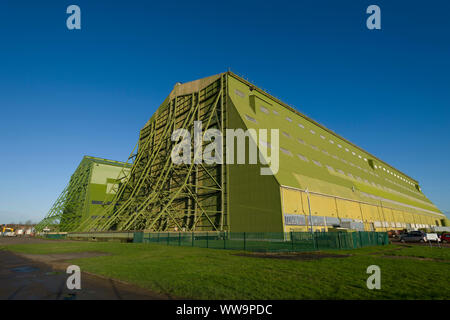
(92, 185)
(323, 180)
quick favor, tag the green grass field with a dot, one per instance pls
(407, 272)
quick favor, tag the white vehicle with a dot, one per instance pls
(432, 237)
(8, 232)
(20, 232)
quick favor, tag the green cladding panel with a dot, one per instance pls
(315, 159)
(92, 185)
(254, 199)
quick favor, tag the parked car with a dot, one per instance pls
(445, 237)
(413, 236)
(8, 232)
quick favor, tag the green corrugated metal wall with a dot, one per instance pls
(254, 199)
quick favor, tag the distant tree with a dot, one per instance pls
(28, 222)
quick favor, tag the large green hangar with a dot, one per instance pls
(321, 180)
(91, 186)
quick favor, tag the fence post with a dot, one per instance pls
(245, 244)
(192, 238)
(292, 241)
(179, 239)
(207, 239)
(339, 239)
(168, 235)
(360, 240)
(224, 241)
(317, 242)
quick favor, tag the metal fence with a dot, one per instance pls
(266, 242)
(56, 236)
(247, 241)
(122, 236)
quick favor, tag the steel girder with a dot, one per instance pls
(158, 195)
(67, 211)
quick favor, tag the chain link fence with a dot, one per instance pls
(266, 242)
(247, 241)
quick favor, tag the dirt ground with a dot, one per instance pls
(43, 277)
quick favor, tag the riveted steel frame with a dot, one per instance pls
(159, 195)
(67, 211)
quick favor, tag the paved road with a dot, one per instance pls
(25, 279)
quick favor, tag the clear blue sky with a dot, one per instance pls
(65, 94)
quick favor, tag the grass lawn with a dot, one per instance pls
(415, 272)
